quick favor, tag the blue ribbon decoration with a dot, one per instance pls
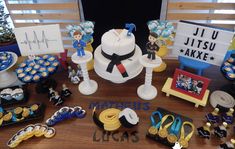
(175, 127)
(153, 122)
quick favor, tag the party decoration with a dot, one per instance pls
(188, 86)
(66, 113)
(36, 130)
(201, 42)
(112, 119)
(35, 40)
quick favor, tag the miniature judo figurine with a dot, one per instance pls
(213, 117)
(57, 100)
(51, 92)
(228, 116)
(205, 131)
(228, 145)
(74, 79)
(221, 131)
(151, 46)
(79, 44)
(70, 72)
(65, 91)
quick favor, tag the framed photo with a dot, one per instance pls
(190, 84)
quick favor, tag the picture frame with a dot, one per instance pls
(190, 84)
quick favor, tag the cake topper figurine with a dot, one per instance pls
(152, 46)
(213, 117)
(130, 27)
(221, 131)
(79, 44)
(205, 131)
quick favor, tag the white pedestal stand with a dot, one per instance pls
(87, 86)
(147, 91)
(7, 78)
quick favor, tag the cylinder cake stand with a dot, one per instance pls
(7, 77)
(87, 86)
(147, 91)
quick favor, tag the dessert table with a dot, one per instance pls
(84, 134)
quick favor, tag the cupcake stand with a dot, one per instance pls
(7, 77)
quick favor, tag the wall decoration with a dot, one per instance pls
(35, 40)
(201, 42)
(190, 84)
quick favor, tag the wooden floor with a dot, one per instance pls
(79, 133)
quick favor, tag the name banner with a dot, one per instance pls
(35, 40)
(202, 43)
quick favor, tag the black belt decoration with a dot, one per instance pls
(116, 60)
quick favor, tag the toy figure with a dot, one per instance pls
(151, 46)
(51, 92)
(79, 71)
(74, 79)
(228, 116)
(130, 27)
(221, 131)
(65, 91)
(228, 145)
(213, 117)
(78, 43)
(70, 71)
(57, 100)
(204, 131)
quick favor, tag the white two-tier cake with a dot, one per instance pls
(117, 58)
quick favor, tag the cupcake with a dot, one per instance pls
(52, 58)
(6, 94)
(36, 67)
(22, 65)
(45, 57)
(33, 72)
(42, 69)
(31, 64)
(41, 61)
(36, 78)
(42, 131)
(44, 74)
(55, 64)
(46, 63)
(19, 70)
(21, 75)
(29, 132)
(27, 78)
(28, 69)
(37, 128)
(51, 69)
(18, 94)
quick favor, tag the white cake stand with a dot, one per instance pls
(8, 77)
(147, 91)
(87, 86)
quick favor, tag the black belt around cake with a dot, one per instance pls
(116, 60)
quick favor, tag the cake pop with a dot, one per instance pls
(65, 91)
(213, 117)
(221, 131)
(228, 116)
(205, 131)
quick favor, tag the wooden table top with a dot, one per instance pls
(84, 134)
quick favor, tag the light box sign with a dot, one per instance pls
(201, 42)
(36, 40)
